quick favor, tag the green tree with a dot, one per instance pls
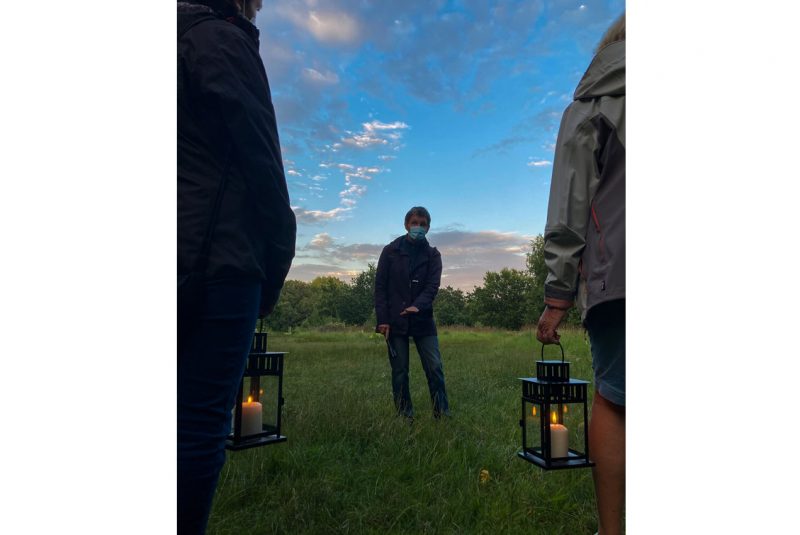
(504, 298)
(293, 308)
(534, 260)
(537, 269)
(327, 295)
(450, 307)
(358, 302)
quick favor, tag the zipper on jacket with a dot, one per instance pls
(601, 243)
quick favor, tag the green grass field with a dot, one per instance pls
(351, 466)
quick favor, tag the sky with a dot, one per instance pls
(450, 105)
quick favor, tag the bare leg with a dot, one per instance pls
(607, 447)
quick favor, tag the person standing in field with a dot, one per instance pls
(236, 231)
(406, 282)
(584, 249)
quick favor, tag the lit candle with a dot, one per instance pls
(251, 417)
(559, 438)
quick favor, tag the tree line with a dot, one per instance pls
(508, 299)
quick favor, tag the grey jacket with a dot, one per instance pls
(584, 238)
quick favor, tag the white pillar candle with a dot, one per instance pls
(559, 441)
(251, 417)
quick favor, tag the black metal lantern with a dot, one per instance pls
(554, 417)
(257, 413)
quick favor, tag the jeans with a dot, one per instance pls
(213, 346)
(428, 349)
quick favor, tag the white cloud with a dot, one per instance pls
(354, 190)
(338, 259)
(332, 27)
(322, 240)
(376, 133)
(350, 195)
(323, 256)
(326, 26)
(309, 272)
(377, 125)
(467, 256)
(362, 173)
(292, 172)
(539, 163)
(316, 76)
(364, 140)
(352, 172)
(318, 216)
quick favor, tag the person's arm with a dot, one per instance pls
(382, 293)
(575, 181)
(234, 84)
(573, 186)
(424, 300)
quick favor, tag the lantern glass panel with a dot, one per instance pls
(569, 416)
(533, 426)
(566, 425)
(263, 390)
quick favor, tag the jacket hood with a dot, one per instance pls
(189, 10)
(221, 7)
(605, 76)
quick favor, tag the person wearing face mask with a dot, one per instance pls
(236, 232)
(406, 282)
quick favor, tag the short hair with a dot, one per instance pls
(420, 211)
(615, 32)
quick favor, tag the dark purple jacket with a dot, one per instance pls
(396, 289)
(227, 129)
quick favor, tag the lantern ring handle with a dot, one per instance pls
(560, 347)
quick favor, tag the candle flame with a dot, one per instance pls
(249, 399)
(533, 411)
(261, 391)
(553, 417)
(565, 408)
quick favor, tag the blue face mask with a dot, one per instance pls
(416, 233)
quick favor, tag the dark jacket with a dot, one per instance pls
(399, 286)
(584, 239)
(226, 127)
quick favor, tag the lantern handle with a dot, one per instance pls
(560, 347)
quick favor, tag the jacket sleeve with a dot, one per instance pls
(424, 300)
(382, 289)
(573, 186)
(235, 85)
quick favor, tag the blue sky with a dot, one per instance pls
(452, 105)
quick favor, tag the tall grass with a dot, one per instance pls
(351, 466)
